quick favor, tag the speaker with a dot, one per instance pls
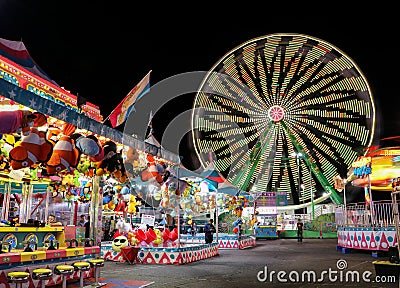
(393, 254)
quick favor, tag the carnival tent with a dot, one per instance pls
(17, 52)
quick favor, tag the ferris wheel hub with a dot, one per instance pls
(276, 113)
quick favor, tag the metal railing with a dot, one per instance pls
(378, 214)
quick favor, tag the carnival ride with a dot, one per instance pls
(385, 166)
(282, 111)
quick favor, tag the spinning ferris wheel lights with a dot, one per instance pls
(316, 99)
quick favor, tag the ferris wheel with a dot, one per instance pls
(286, 113)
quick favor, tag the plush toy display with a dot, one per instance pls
(133, 204)
(112, 162)
(119, 242)
(33, 149)
(19, 121)
(152, 171)
(65, 154)
(89, 145)
(123, 226)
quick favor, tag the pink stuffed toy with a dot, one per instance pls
(16, 121)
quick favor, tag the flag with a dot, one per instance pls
(152, 146)
(80, 101)
(150, 130)
(367, 195)
(122, 111)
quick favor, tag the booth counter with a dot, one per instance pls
(28, 248)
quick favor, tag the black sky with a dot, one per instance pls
(102, 49)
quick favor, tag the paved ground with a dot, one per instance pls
(260, 267)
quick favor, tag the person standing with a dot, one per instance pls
(52, 221)
(107, 226)
(87, 228)
(82, 221)
(299, 230)
(194, 229)
(209, 230)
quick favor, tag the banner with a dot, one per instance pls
(122, 111)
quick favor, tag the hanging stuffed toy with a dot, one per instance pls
(112, 163)
(109, 150)
(9, 142)
(132, 205)
(39, 120)
(84, 165)
(53, 134)
(107, 196)
(89, 146)
(4, 157)
(16, 121)
(121, 203)
(152, 172)
(33, 149)
(131, 162)
(123, 227)
(237, 225)
(65, 154)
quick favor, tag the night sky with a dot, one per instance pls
(101, 51)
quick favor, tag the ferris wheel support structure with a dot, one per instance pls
(251, 164)
(314, 169)
(259, 149)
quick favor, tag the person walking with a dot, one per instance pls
(209, 230)
(299, 230)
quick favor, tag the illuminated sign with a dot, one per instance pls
(362, 167)
(266, 210)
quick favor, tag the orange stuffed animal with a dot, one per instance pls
(65, 154)
(33, 149)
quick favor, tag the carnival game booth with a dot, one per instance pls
(26, 242)
(230, 222)
(37, 117)
(161, 243)
(31, 94)
(225, 240)
(147, 254)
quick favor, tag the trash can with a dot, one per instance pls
(385, 268)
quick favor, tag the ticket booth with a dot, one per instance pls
(267, 222)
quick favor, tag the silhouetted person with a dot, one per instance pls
(209, 230)
(87, 228)
(299, 231)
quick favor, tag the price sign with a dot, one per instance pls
(148, 219)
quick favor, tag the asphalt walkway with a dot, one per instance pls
(272, 263)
